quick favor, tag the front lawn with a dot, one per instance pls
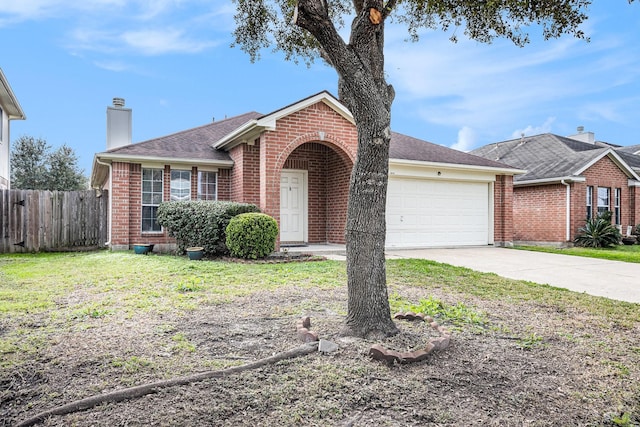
(626, 253)
(76, 325)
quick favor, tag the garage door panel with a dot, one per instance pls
(423, 213)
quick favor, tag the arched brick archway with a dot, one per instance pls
(323, 165)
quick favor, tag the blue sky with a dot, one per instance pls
(172, 62)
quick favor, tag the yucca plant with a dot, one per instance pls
(598, 232)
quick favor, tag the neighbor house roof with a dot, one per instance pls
(209, 144)
(548, 157)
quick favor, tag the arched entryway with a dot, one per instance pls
(314, 188)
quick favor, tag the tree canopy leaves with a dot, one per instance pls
(35, 167)
(270, 23)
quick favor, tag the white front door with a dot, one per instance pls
(292, 206)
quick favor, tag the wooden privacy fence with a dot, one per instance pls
(35, 220)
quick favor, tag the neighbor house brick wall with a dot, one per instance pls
(539, 213)
(606, 173)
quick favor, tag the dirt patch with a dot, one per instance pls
(530, 365)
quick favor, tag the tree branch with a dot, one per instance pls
(143, 390)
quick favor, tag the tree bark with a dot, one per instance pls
(363, 89)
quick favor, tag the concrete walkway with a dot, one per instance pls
(611, 279)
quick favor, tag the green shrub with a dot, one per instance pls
(200, 223)
(252, 235)
(598, 232)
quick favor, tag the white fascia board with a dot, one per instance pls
(634, 183)
(9, 100)
(164, 160)
(555, 180)
(455, 166)
(616, 159)
(238, 133)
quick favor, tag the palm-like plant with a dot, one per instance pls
(598, 232)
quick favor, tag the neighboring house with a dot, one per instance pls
(9, 110)
(295, 164)
(568, 180)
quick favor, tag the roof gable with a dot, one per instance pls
(255, 127)
(549, 157)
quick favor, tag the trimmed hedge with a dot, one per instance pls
(201, 222)
(252, 235)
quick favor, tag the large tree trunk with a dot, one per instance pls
(368, 304)
(362, 88)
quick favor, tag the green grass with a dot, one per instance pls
(624, 253)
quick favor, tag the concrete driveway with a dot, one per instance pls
(611, 279)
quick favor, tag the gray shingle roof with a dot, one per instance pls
(197, 143)
(189, 144)
(548, 156)
(408, 148)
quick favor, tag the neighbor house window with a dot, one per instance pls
(151, 199)
(207, 185)
(180, 185)
(589, 202)
(604, 194)
(616, 209)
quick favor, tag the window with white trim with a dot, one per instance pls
(152, 186)
(207, 185)
(617, 214)
(180, 185)
(604, 195)
(589, 202)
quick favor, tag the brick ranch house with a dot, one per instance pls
(295, 164)
(568, 180)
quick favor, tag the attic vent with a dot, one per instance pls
(118, 102)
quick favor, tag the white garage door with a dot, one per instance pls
(423, 213)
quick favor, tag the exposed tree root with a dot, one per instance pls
(142, 390)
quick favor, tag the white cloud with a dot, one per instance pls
(117, 66)
(158, 42)
(534, 130)
(466, 139)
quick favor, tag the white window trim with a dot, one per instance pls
(147, 204)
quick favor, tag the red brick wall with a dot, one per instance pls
(605, 173)
(503, 210)
(245, 175)
(539, 213)
(328, 187)
(333, 138)
(126, 205)
(120, 204)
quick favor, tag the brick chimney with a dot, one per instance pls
(118, 125)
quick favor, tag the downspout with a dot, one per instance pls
(108, 242)
(568, 213)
